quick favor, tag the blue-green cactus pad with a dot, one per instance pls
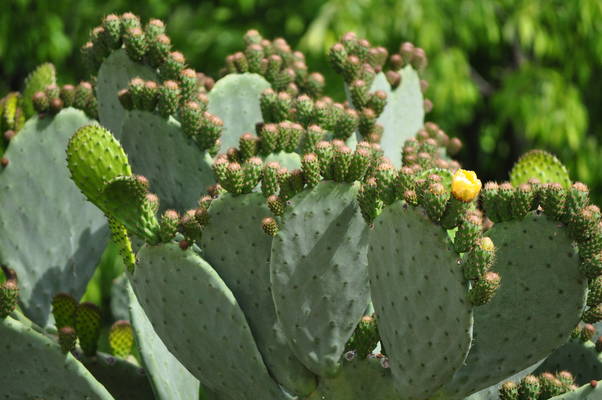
(492, 391)
(234, 244)
(169, 378)
(114, 74)
(289, 161)
(319, 273)
(580, 359)
(123, 379)
(235, 100)
(525, 321)
(358, 379)
(424, 317)
(541, 165)
(403, 115)
(199, 320)
(34, 367)
(51, 235)
(157, 148)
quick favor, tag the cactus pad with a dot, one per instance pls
(424, 317)
(319, 273)
(169, 378)
(580, 359)
(49, 205)
(359, 379)
(525, 321)
(114, 74)
(157, 148)
(168, 278)
(541, 165)
(121, 338)
(403, 115)
(34, 367)
(235, 100)
(246, 271)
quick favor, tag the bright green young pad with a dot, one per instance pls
(524, 322)
(585, 392)
(169, 379)
(123, 379)
(403, 115)
(419, 295)
(541, 165)
(580, 359)
(236, 246)
(114, 74)
(51, 235)
(167, 279)
(34, 367)
(319, 273)
(358, 379)
(235, 99)
(44, 75)
(95, 157)
(157, 148)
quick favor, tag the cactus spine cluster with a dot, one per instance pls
(286, 245)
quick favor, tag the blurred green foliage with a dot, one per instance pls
(505, 75)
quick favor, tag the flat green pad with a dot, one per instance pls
(51, 235)
(289, 161)
(358, 379)
(169, 378)
(319, 273)
(585, 392)
(236, 246)
(200, 322)
(121, 378)
(419, 295)
(525, 321)
(114, 74)
(33, 367)
(179, 173)
(541, 165)
(404, 114)
(580, 359)
(235, 99)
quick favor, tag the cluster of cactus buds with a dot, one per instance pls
(9, 292)
(54, 98)
(542, 387)
(284, 68)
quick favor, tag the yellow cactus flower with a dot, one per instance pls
(487, 244)
(465, 185)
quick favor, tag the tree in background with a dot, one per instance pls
(507, 75)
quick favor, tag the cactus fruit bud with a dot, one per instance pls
(377, 101)
(522, 201)
(599, 345)
(341, 162)
(553, 198)
(64, 308)
(313, 135)
(112, 31)
(135, 44)
(168, 225)
(577, 198)
(591, 267)
(508, 391)
(325, 152)
(584, 224)
(364, 338)
(251, 174)
(594, 295)
(67, 338)
(529, 388)
(370, 204)
(311, 169)
(468, 232)
(360, 161)
(276, 205)
(121, 339)
(168, 98)
(419, 60)
(465, 185)
(592, 314)
(248, 144)
(359, 93)
(269, 138)
(40, 102)
(67, 95)
(337, 57)
(434, 199)
(154, 28)
(9, 292)
(128, 21)
(149, 93)
(346, 123)
(587, 332)
(269, 183)
(270, 226)
(87, 326)
(386, 175)
(550, 386)
(479, 259)
(484, 288)
(171, 67)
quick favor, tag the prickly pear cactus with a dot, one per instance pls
(278, 244)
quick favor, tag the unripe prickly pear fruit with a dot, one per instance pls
(168, 225)
(125, 98)
(67, 95)
(269, 183)
(583, 225)
(529, 388)
(128, 21)
(587, 332)
(594, 295)
(311, 169)
(247, 145)
(191, 228)
(150, 93)
(168, 98)
(341, 161)
(40, 102)
(83, 95)
(522, 202)
(360, 161)
(87, 326)
(313, 135)
(121, 339)
(484, 288)
(468, 232)
(64, 307)
(9, 292)
(592, 314)
(577, 198)
(172, 66)
(67, 338)
(508, 391)
(566, 378)
(591, 266)
(550, 385)
(386, 175)
(434, 199)
(251, 174)
(135, 43)
(553, 198)
(480, 259)
(270, 226)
